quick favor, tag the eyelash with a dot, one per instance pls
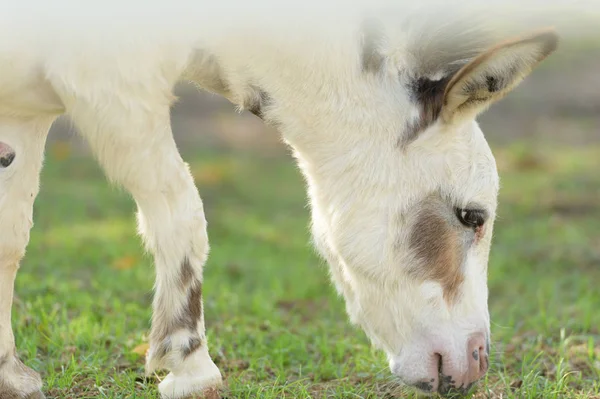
(472, 218)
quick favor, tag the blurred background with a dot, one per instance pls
(275, 324)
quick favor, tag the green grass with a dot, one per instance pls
(276, 327)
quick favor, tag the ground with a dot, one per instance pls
(275, 325)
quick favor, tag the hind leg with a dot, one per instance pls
(21, 154)
(135, 146)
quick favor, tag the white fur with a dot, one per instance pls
(196, 374)
(18, 187)
(111, 67)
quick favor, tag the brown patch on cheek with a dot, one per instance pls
(438, 247)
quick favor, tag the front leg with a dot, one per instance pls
(136, 149)
(178, 334)
(21, 153)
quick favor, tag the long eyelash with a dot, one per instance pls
(480, 215)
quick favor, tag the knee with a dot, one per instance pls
(14, 236)
(173, 230)
(11, 255)
(13, 244)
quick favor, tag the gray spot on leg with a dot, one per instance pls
(163, 348)
(170, 321)
(193, 344)
(194, 308)
(190, 314)
(476, 354)
(186, 274)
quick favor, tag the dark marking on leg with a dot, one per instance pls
(193, 344)
(190, 320)
(192, 311)
(187, 319)
(476, 354)
(163, 348)
(186, 275)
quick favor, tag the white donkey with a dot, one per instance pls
(378, 107)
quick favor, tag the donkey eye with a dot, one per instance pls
(471, 217)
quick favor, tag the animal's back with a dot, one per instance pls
(44, 60)
(50, 51)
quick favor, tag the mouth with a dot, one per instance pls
(447, 386)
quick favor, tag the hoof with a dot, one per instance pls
(197, 377)
(19, 381)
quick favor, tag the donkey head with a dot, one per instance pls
(403, 190)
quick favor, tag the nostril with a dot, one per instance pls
(484, 362)
(478, 357)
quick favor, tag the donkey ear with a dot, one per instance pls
(493, 74)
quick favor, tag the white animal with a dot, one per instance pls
(378, 103)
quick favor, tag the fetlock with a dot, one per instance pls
(18, 381)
